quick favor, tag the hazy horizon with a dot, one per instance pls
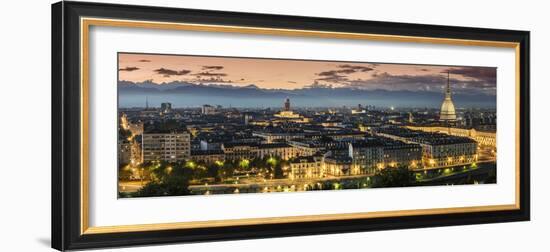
(190, 81)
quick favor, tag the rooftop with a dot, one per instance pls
(442, 139)
(273, 145)
(368, 142)
(236, 144)
(206, 152)
(430, 138)
(339, 159)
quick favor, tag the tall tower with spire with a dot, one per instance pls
(287, 104)
(447, 113)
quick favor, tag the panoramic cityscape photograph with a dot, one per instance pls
(208, 125)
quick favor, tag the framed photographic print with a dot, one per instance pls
(180, 125)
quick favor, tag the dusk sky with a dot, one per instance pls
(295, 74)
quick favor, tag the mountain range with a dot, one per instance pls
(185, 94)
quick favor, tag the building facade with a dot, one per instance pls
(481, 137)
(208, 110)
(438, 149)
(305, 147)
(338, 166)
(208, 156)
(271, 137)
(366, 156)
(398, 154)
(124, 151)
(450, 152)
(166, 146)
(238, 151)
(281, 150)
(306, 168)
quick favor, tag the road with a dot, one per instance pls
(253, 184)
(130, 186)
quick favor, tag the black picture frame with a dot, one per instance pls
(66, 155)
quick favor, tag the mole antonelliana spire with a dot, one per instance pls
(447, 113)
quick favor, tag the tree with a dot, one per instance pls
(168, 180)
(212, 170)
(227, 169)
(257, 163)
(244, 164)
(124, 173)
(151, 189)
(491, 177)
(124, 134)
(278, 169)
(393, 177)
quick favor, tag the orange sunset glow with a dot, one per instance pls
(296, 74)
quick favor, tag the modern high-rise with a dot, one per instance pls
(366, 155)
(170, 146)
(208, 109)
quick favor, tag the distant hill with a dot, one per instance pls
(184, 94)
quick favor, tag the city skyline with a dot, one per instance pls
(166, 152)
(292, 74)
(330, 125)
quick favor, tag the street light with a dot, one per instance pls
(190, 164)
(272, 161)
(244, 163)
(141, 176)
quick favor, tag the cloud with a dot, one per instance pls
(466, 79)
(486, 74)
(212, 67)
(213, 80)
(340, 75)
(328, 73)
(428, 82)
(144, 60)
(169, 72)
(128, 69)
(211, 77)
(334, 79)
(316, 84)
(356, 68)
(209, 74)
(293, 82)
(346, 69)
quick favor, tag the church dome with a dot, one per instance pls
(447, 111)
